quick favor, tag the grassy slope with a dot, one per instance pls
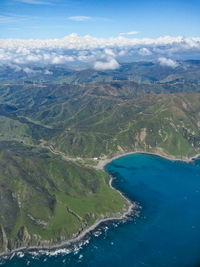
(169, 122)
(92, 121)
(46, 198)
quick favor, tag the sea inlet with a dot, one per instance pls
(167, 232)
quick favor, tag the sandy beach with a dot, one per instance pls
(103, 162)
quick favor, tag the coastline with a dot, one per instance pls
(132, 209)
(132, 206)
(103, 162)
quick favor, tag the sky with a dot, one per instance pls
(99, 34)
(44, 19)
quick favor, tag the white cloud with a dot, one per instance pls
(95, 52)
(47, 72)
(74, 41)
(35, 2)
(61, 59)
(28, 70)
(167, 62)
(132, 33)
(129, 33)
(109, 52)
(80, 18)
(110, 64)
(122, 53)
(144, 52)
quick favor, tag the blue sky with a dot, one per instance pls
(42, 19)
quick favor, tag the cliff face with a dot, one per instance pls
(3, 240)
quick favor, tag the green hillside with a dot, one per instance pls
(166, 122)
(96, 121)
(53, 134)
(45, 200)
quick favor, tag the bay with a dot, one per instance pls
(167, 232)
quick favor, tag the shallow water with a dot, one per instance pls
(167, 233)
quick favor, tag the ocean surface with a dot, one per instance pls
(167, 232)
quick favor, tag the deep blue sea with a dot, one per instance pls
(167, 232)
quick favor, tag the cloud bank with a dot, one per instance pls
(99, 53)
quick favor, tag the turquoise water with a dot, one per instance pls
(167, 232)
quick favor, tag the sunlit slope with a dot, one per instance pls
(167, 122)
(93, 121)
(45, 200)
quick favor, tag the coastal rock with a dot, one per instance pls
(23, 238)
(3, 240)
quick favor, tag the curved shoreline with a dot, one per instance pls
(132, 209)
(132, 206)
(103, 162)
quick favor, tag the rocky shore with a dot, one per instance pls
(132, 208)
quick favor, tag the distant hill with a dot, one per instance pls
(139, 72)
